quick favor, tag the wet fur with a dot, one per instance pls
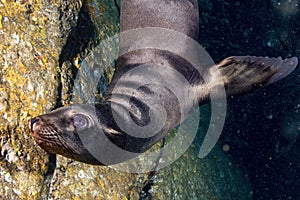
(55, 132)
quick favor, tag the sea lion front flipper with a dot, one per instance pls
(241, 74)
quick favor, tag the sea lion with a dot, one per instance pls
(134, 102)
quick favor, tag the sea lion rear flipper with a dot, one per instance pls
(243, 74)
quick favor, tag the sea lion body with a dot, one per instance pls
(135, 104)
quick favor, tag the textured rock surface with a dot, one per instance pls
(188, 178)
(31, 42)
(42, 44)
(192, 178)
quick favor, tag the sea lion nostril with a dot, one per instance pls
(32, 122)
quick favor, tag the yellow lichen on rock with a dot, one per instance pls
(1, 22)
(90, 182)
(29, 54)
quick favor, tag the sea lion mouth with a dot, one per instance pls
(43, 135)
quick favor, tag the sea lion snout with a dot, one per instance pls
(58, 131)
(32, 123)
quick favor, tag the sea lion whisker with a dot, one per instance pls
(66, 148)
(49, 136)
(48, 132)
(43, 139)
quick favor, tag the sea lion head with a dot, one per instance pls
(58, 131)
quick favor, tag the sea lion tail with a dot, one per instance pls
(241, 74)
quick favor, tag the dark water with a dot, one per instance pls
(262, 129)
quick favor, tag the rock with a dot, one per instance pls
(31, 42)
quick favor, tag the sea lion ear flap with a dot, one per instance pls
(243, 74)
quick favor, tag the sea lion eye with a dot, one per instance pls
(80, 121)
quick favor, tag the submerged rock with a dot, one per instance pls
(188, 178)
